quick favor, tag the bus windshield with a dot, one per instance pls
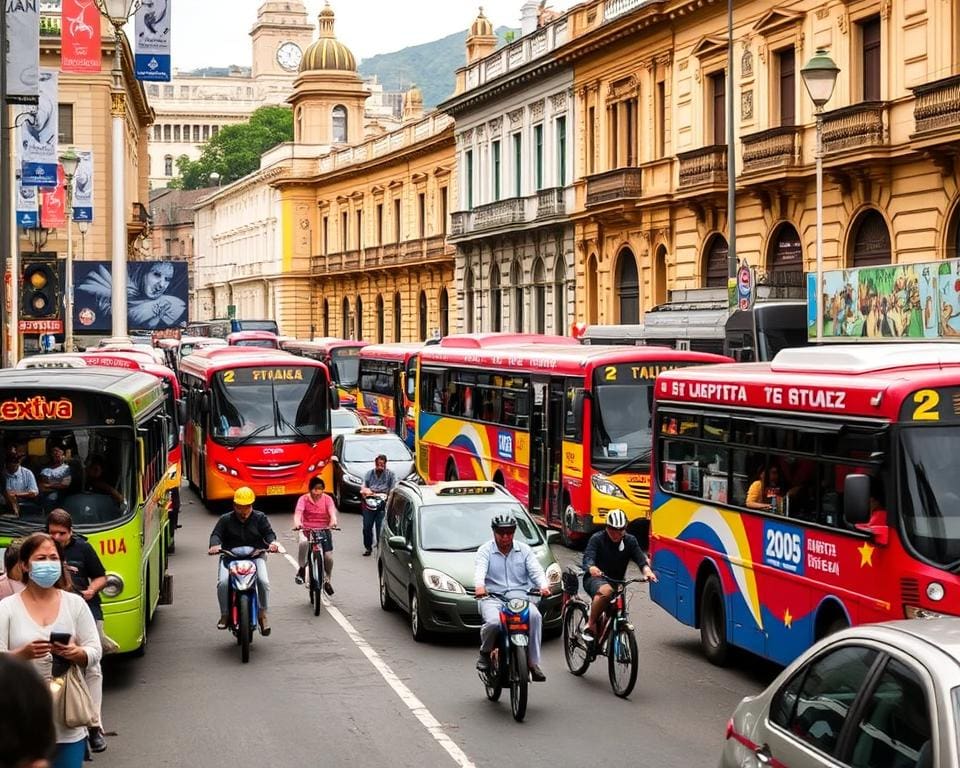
(622, 415)
(345, 365)
(263, 404)
(930, 500)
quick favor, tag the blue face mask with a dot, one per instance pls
(45, 573)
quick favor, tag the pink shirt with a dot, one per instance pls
(9, 588)
(313, 515)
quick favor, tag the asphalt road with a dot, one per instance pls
(352, 688)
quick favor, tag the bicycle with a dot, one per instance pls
(615, 634)
(316, 574)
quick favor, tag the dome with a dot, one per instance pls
(327, 53)
(481, 26)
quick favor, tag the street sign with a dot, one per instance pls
(40, 326)
(745, 293)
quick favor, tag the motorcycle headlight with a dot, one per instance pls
(606, 486)
(554, 574)
(441, 582)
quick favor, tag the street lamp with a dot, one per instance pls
(69, 161)
(820, 78)
(118, 12)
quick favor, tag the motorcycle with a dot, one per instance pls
(509, 665)
(375, 503)
(243, 616)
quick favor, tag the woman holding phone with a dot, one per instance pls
(46, 623)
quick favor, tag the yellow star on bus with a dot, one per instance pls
(787, 619)
(866, 555)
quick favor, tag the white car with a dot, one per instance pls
(344, 421)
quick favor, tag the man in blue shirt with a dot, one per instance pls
(378, 480)
(19, 482)
(504, 565)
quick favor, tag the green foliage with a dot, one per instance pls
(235, 151)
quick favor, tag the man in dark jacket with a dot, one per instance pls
(243, 527)
(606, 557)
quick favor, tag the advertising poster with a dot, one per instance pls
(83, 187)
(80, 36)
(156, 295)
(53, 204)
(23, 51)
(28, 210)
(152, 59)
(38, 135)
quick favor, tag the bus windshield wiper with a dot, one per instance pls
(246, 438)
(282, 422)
(642, 456)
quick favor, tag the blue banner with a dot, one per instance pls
(28, 209)
(39, 131)
(152, 59)
(156, 295)
(83, 187)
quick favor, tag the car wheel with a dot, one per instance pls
(416, 620)
(386, 602)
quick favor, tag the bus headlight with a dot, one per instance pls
(935, 591)
(439, 581)
(114, 585)
(227, 470)
(606, 486)
(553, 574)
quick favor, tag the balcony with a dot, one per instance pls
(936, 112)
(138, 225)
(772, 149)
(502, 213)
(704, 167)
(460, 223)
(857, 127)
(551, 202)
(617, 186)
(393, 255)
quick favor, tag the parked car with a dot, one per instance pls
(343, 421)
(428, 548)
(875, 695)
(354, 455)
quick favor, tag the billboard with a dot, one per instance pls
(156, 296)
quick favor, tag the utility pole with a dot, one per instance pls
(6, 338)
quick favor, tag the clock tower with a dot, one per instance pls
(280, 36)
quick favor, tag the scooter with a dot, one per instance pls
(243, 615)
(509, 665)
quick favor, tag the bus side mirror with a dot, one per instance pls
(579, 401)
(410, 387)
(205, 403)
(743, 355)
(334, 397)
(182, 411)
(856, 499)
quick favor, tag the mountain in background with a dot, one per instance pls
(431, 66)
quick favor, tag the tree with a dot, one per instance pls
(235, 151)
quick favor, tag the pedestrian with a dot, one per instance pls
(379, 481)
(55, 478)
(88, 577)
(29, 620)
(27, 730)
(19, 483)
(10, 581)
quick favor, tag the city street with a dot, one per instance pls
(352, 688)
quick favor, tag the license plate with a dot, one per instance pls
(276, 490)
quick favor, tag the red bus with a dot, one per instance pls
(342, 358)
(809, 493)
(565, 427)
(387, 386)
(257, 418)
(261, 339)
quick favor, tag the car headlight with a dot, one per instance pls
(603, 484)
(114, 585)
(553, 574)
(352, 479)
(440, 582)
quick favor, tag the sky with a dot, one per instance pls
(217, 32)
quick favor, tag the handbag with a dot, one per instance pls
(72, 702)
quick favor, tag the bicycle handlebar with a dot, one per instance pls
(503, 596)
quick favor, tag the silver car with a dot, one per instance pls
(873, 696)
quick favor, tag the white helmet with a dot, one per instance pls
(616, 518)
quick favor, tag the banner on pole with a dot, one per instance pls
(53, 204)
(38, 136)
(23, 51)
(80, 37)
(28, 214)
(152, 58)
(83, 187)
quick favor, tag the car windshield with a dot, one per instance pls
(466, 527)
(622, 421)
(366, 449)
(344, 418)
(930, 496)
(346, 366)
(262, 343)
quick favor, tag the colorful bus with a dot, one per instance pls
(342, 358)
(388, 374)
(807, 494)
(113, 419)
(565, 427)
(257, 418)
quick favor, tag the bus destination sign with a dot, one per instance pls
(37, 408)
(277, 375)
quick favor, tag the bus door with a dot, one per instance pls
(539, 493)
(408, 395)
(399, 410)
(555, 423)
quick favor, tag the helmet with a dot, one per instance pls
(244, 496)
(504, 521)
(616, 519)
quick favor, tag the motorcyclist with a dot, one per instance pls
(503, 565)
(243, 527)
(378, 480)
(607, 555)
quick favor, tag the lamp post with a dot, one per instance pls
(820, 77)
(118, 12)
(69, 160)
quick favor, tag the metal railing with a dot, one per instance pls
(937, 104)
(615, 185)
(774, 148)
(859, 125)
(707, 165)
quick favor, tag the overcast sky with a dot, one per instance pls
(217, 32)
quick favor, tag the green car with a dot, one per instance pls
(428, 547)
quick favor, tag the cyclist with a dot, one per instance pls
(504, 564)
(315, 511)
(243, 527)
(606, 557)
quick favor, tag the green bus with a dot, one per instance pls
(113, 426)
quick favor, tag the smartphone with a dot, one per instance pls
(60, 637)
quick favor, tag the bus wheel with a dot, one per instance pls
(713, 622)
(451, 473)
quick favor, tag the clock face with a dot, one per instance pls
(288, 56)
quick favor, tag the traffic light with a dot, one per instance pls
(40, 289)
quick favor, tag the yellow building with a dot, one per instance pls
(651, 188)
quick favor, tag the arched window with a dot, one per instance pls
(359, 314)
(326, 317)
(496, 300)
(785, 256)
(397, 335)
(468, 300)
(168, 165)
(628, 288)
(380, 319)
(345, 327)
(339, 124)
(299, 134)
(715, 262)
(953, 236)
(593, 291)
(559, 296)
(660, 276)
(444, 313)
(540, 297)
(871, 243)
(516, 283)
(423, 315)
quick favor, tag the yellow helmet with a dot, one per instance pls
(244, 496)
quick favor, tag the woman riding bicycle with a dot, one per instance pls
(606, 557)
(315, 511)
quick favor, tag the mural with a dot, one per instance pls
(156, 295)
(898, 301)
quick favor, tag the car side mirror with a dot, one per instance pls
(552, 537)
(397, 542)
(856, 499)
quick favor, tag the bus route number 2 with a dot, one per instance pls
(113, 547)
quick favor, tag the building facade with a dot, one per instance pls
(514, 112)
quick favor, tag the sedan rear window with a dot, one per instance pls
(466, 527)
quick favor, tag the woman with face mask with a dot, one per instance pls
(46, 609)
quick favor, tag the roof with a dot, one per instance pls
(399, 351)
(327, 53)
(211, 359)
(321, 345)
(174, 207)
(110, 381)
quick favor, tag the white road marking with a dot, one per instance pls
(416, 707)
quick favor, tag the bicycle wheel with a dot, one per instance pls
(244, 630)
(519, 683)
(316, 583)
(622, 661)
(308, 574)
(574, 620)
